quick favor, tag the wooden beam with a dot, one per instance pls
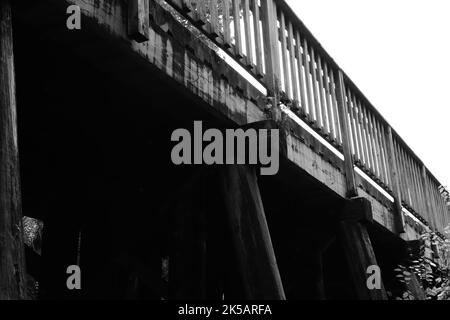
(12, 262)
(355, 241)
(250, 233)
(139, 20)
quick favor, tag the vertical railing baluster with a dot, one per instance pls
(293, 69)
(395, 178)
(363, 137)
(358, 132)
(248, 35)
(284, 55)
(316, 104)
(271, 56)
(214, 19)
(336, 113)
(352, 125)
(301, 74)
(327, 79)
(257, 33)
(352, 190)
(385, 157)
(376, 172)
(324, 114)
(369, 143)
(237, 29)
(308, 81)
(226, 24)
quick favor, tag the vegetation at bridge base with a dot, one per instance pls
(429, 265)
(426, 270)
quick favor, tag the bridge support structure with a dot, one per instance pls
(12, 263)
(355, 240)
(250, 234)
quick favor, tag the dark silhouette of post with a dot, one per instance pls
(12, 265)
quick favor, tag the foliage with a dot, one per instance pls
(433, 274)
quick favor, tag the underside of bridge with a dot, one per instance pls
(94, 136)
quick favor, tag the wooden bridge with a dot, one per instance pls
(89, 113)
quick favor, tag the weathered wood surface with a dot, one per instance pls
(250, 233)
(138, 20)
(195, 64)
(12, 266)
(355, 240)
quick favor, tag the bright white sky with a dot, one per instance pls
(398, 53)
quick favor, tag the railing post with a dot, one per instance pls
(428, 199)
(271, 56)
(399, 218)
(139, 20)
(352, 189)
(12, 261)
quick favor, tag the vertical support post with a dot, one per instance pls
(427, 195)
(271, 55)
(139, 20)
(250, 232)
(12, 262)
(355, 240)
(352, 190)
(399, 218)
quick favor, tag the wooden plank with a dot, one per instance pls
(238, 52)
(250, 233)
(139, 20)
(369, 140)
(382, 139)
(406, 179)
(336, 114)
(374, 145)
(271, 55)
(352, 125)
(326, 79)
(292, 61)
(214, 19)
(12, 261)
(309, 94)
(284, 55)
(378, 146)
(365, 149)
(417, 176)
(198, 13)
(324, 114)
(301, 74)
(248, 34)
(352, 189)
(392, 158)
(316, 105)
(257, 33)
(412, 198)
(226, 24)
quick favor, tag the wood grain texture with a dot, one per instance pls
(355, 240)
(138, 20)
(250, 233)
(12, 264)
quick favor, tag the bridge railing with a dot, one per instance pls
(272, 43)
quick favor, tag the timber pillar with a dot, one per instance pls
(250, 233)
(12, 266)
(359, 253)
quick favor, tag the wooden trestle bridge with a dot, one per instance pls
(88, 114)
